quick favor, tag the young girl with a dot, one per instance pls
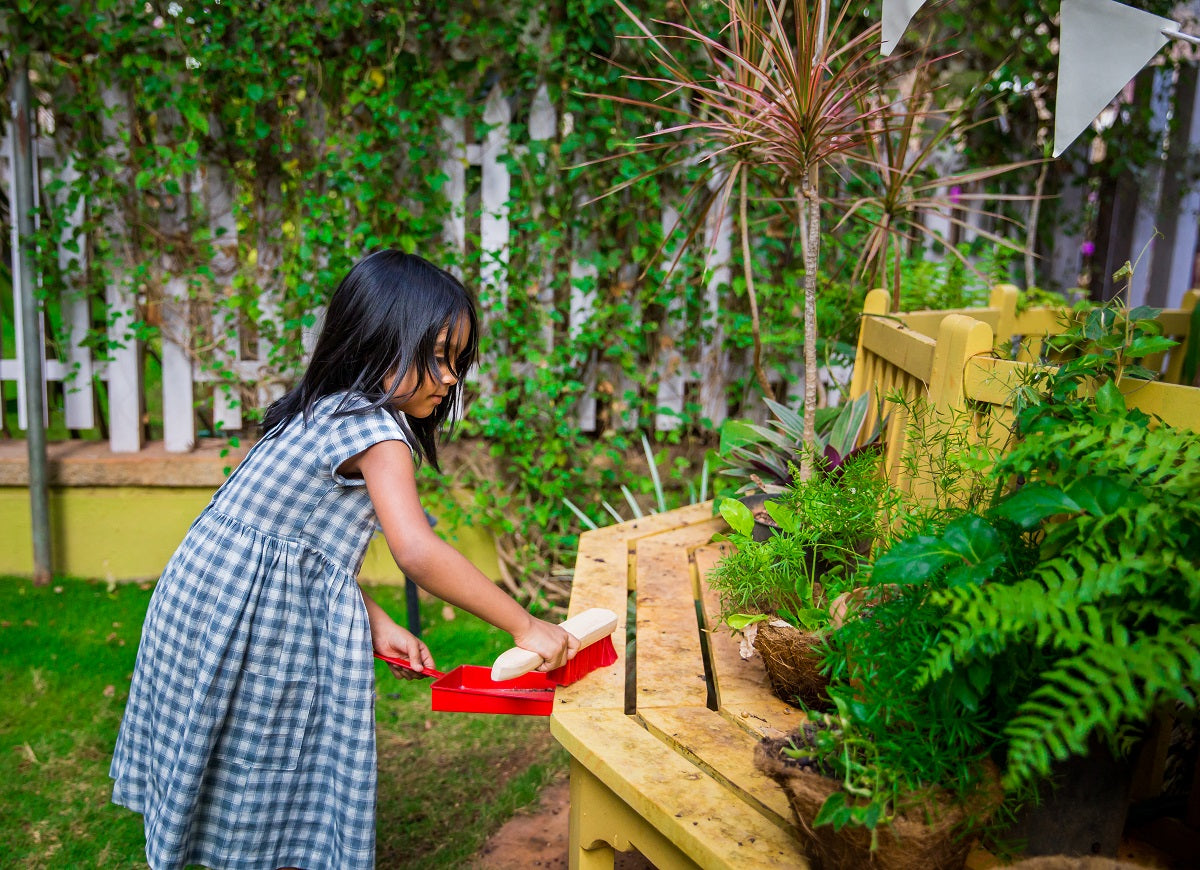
(248, 740)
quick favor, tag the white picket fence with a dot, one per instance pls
(701, 376)
(183, 374)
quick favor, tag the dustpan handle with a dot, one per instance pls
(407, 665)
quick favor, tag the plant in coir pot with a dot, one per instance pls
(777, 589)
(898, 775)
(764, 457)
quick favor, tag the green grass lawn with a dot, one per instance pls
(446, 780)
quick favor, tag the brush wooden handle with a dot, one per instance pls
(589, 627)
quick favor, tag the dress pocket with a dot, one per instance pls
(267, 719)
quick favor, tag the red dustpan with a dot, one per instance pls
(511, 685)
(471, 689)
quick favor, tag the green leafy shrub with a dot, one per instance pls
(1112, 607)
(825, 527)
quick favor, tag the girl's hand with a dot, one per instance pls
(392, 640)
(549, 641)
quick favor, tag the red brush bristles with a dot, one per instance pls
(601, 654)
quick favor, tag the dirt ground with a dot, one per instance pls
(538, 839)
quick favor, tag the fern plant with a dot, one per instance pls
(1113, 603)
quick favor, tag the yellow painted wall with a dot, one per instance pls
(129, 533)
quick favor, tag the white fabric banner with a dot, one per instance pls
(896, 15)
(1101, 47)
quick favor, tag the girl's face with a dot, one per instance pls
(421, 401)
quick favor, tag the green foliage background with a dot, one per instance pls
(325, 119)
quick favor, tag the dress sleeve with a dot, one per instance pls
(351, 434)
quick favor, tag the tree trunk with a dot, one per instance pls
(810, 201)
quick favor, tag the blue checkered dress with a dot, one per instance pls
(249, 736)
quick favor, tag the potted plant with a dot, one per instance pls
(764, 457)
(777, 589)
(1027, 630)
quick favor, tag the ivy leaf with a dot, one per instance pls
(1099, 495)
(871, 814)
(980, 675)
(833, 811)
(1033, 503)
(810, 618)
(1148, 344)
(255, 92)
(195, 117)
(738, 516)
(1143, 312)
(965, 695)
(972, 537)
(739, 621)
(975, 573)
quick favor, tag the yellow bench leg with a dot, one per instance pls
(589, 822)
(599, 823)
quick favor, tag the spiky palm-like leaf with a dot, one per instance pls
(895, 170)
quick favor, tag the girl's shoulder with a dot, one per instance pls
(345, 403)
(356, 409)
(343, 416)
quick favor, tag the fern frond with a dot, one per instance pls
(1095, 692)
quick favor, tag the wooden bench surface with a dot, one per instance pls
(671, 777)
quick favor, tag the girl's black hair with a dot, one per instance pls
(384, 319)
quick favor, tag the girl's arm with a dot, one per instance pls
(388, 469)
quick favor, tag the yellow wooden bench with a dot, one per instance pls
(946, 359)
(667, 767)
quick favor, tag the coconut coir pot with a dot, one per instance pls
(929, 833)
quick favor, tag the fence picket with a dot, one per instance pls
(454, 165)
(78, 400)
(670, 377)
(219, 196)
(123, 369)
(582, 307)
(543, 126)
(1174, 264)
(18, 324)
(714, 360)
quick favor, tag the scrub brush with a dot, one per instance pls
(593, 628)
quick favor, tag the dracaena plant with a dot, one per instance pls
(764, 456)
(781, 91)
